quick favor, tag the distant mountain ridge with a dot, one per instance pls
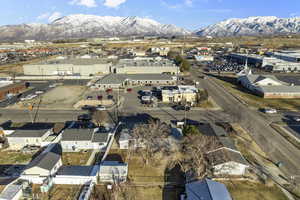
(252, 26)
(86, 26)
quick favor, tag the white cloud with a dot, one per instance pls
(113, 3)
(43, 16)
(188, 3)
(87, 3)
(54, 16)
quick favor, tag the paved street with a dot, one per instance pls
(277, 147)
(40, 116)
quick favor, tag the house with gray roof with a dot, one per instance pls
(42, 167)
(128, 80)
(268, 86)
(21, 138)
(206, 190)
(226, 161)
(84, 139)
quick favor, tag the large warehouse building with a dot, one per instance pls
(68, 67)
(145, 66)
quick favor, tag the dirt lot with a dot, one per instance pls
(14, 157)
(77, 158)
(253, 191)
(58, 192)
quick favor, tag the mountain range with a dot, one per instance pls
(252, 26)
(87, 26)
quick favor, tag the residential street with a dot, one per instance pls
(271, 142)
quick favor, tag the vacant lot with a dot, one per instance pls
(76, 158)
(14, 157)
(63, 97)
(243, 190)
(256, 101)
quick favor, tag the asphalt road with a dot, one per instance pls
(271, 142)
(40, 116)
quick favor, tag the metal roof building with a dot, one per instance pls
(206, 190)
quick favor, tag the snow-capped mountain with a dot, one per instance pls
(252, 26)
(86, 26)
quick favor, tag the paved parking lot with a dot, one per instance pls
(295, 130)
(295, 79)
(35, 87)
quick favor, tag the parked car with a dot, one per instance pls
(100, 108)
(269, 110)
(296, 118)
(181, 107)
(89, 97)
(87, 107)
(84, 117)
(39, 92)
(110, 97)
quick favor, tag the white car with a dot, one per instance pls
(296, 118)
(39, 92)
(100, 108)
(270, 110)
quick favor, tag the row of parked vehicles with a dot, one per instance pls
(225, 67)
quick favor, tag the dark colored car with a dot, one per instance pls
(87, 107)
(110, 97)
(84, 117)
(181, 107)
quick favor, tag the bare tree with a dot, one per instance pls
(100, 117)
(153, 136)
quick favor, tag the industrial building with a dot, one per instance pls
(68, 67)
(277, 65)
(129, 80)
(252, 59)
(290, 56)
(145, 66)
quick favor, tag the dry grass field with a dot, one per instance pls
(244, 190)
(76, 158)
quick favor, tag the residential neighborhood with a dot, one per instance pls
(126, 108)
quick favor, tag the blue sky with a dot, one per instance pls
(190, 14)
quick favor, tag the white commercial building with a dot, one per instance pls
(68, 67)
(181, 93)
(146, 66)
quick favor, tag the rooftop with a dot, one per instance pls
(45, 161)
(75, 171)
(77, 134)
(145, 62)
(29, 133)
(120, 78)
(75, 61)
(223, 155)
(207, 190)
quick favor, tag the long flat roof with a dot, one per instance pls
(120, 78)
(74, 61)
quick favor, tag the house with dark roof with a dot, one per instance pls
(42, 167)
(84, 139)
(206, 190)
(226, 161)
(21, 138)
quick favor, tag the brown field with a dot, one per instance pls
(14, 157)
(76, 158)
(243, 190)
